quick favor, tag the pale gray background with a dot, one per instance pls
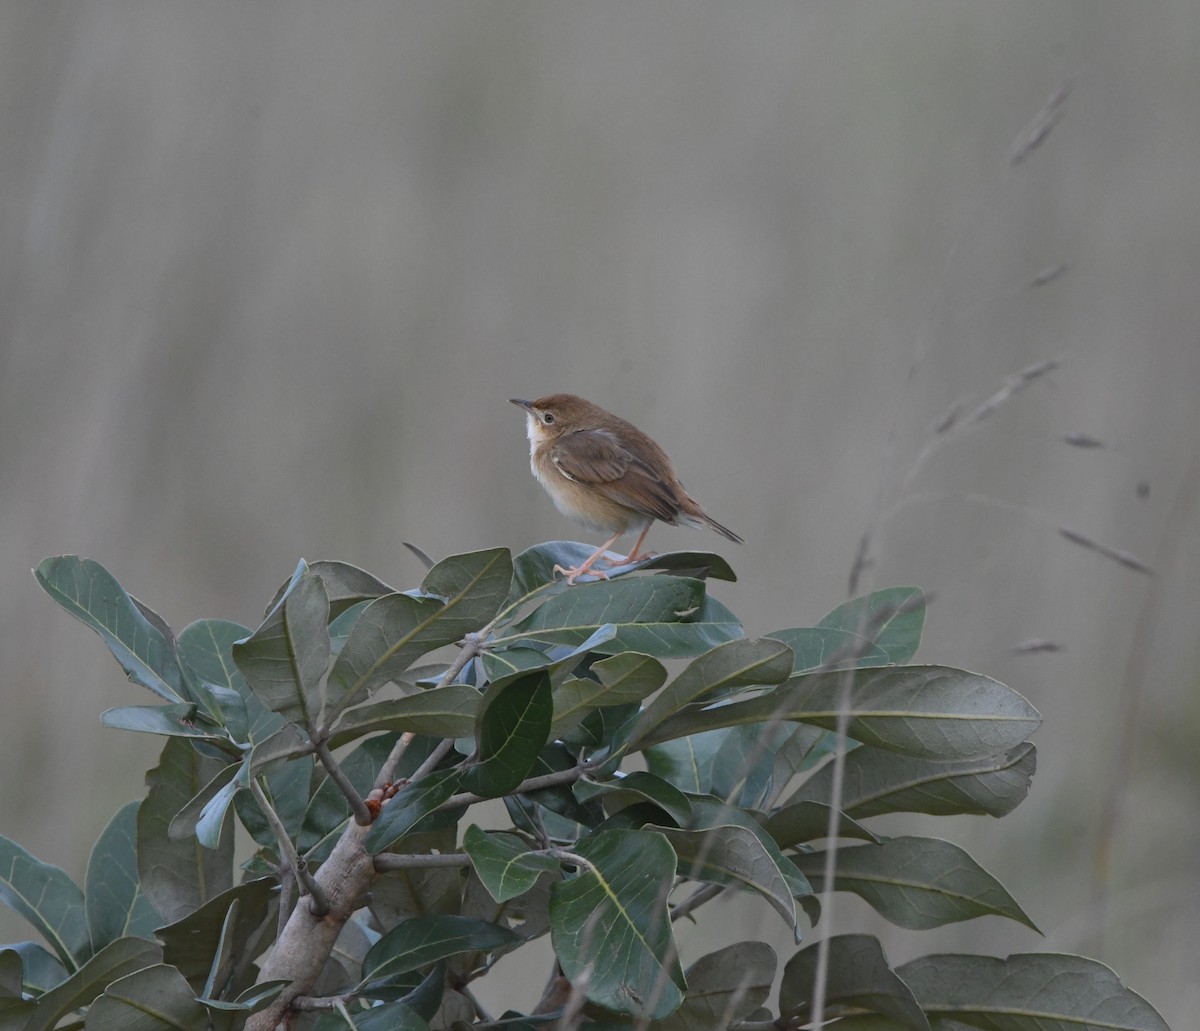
(270, 271)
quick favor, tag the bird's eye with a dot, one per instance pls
(547, 417)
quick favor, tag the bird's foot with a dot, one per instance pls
(578, 571)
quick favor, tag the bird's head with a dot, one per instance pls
(555, 414)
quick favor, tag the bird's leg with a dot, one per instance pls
(633, 556)
(592, 559)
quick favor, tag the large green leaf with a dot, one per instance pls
(459, 596)
(880, 782)
(473, 586)
(825, 647)
(117, 959)
(46, 897)
(892, 618)
(346, 585)
(933, 712)
(177, 874)
(448, 711)
(206, 650)
(410, 805)
(513, 724)
(505, 864)
(659, 615)
(610, 926)
(138, 642)
(635, 787)
(533, 570)
(801, 822)
(625, 678)
(115, 904)
(917, 883)
(41, 970)
(190, 944)
(724, 988)
(686, 762)
(1027, 992)
(423, 940)
(151, 998)
(285, 659)
(732, 855)
(708, 813)
(858, 978)
(726, 668)
(178, 719)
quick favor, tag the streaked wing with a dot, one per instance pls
(596, 457)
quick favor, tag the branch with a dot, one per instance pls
(362, 815)
(319, 904)
(397, 861)
(546, 780)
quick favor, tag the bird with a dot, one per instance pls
(607, 474)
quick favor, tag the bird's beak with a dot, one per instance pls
(527, 405)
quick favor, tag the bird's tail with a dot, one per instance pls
(702, 518)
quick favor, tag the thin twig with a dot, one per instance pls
(387, 771)
(546, 780)
(431, 762)
(318, 903)
(472, 645)
(696, 900)
(362, 815)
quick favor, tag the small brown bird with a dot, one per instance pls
(607, 474)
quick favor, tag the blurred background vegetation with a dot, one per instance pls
(269, 273)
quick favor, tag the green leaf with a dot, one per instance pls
(726, 668)
(285, 659)
(46, 897)
(724, 988)
(858, 978)
(934, 712)
(893, 618)
(513, 725)
(177, 720)
(459, 597)
(743, 767)
(708, 813)
(423, 940)
(807, 821)
(409, 805)
(635, 787)
(92, 595)
(917, 883)
(701, 565)
(153, 997)
(1027, 992)
(191, 943)
(117, 959)
(623, 678)
(686, 762)
(115, 905)
(176, 874)
(732, 855)
(206, 650)
(823, 647)
(659, 615)
(505, 864)
(879, 782)
(610, 927)
(41, 971)
(392, 1016)
(346, 585)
